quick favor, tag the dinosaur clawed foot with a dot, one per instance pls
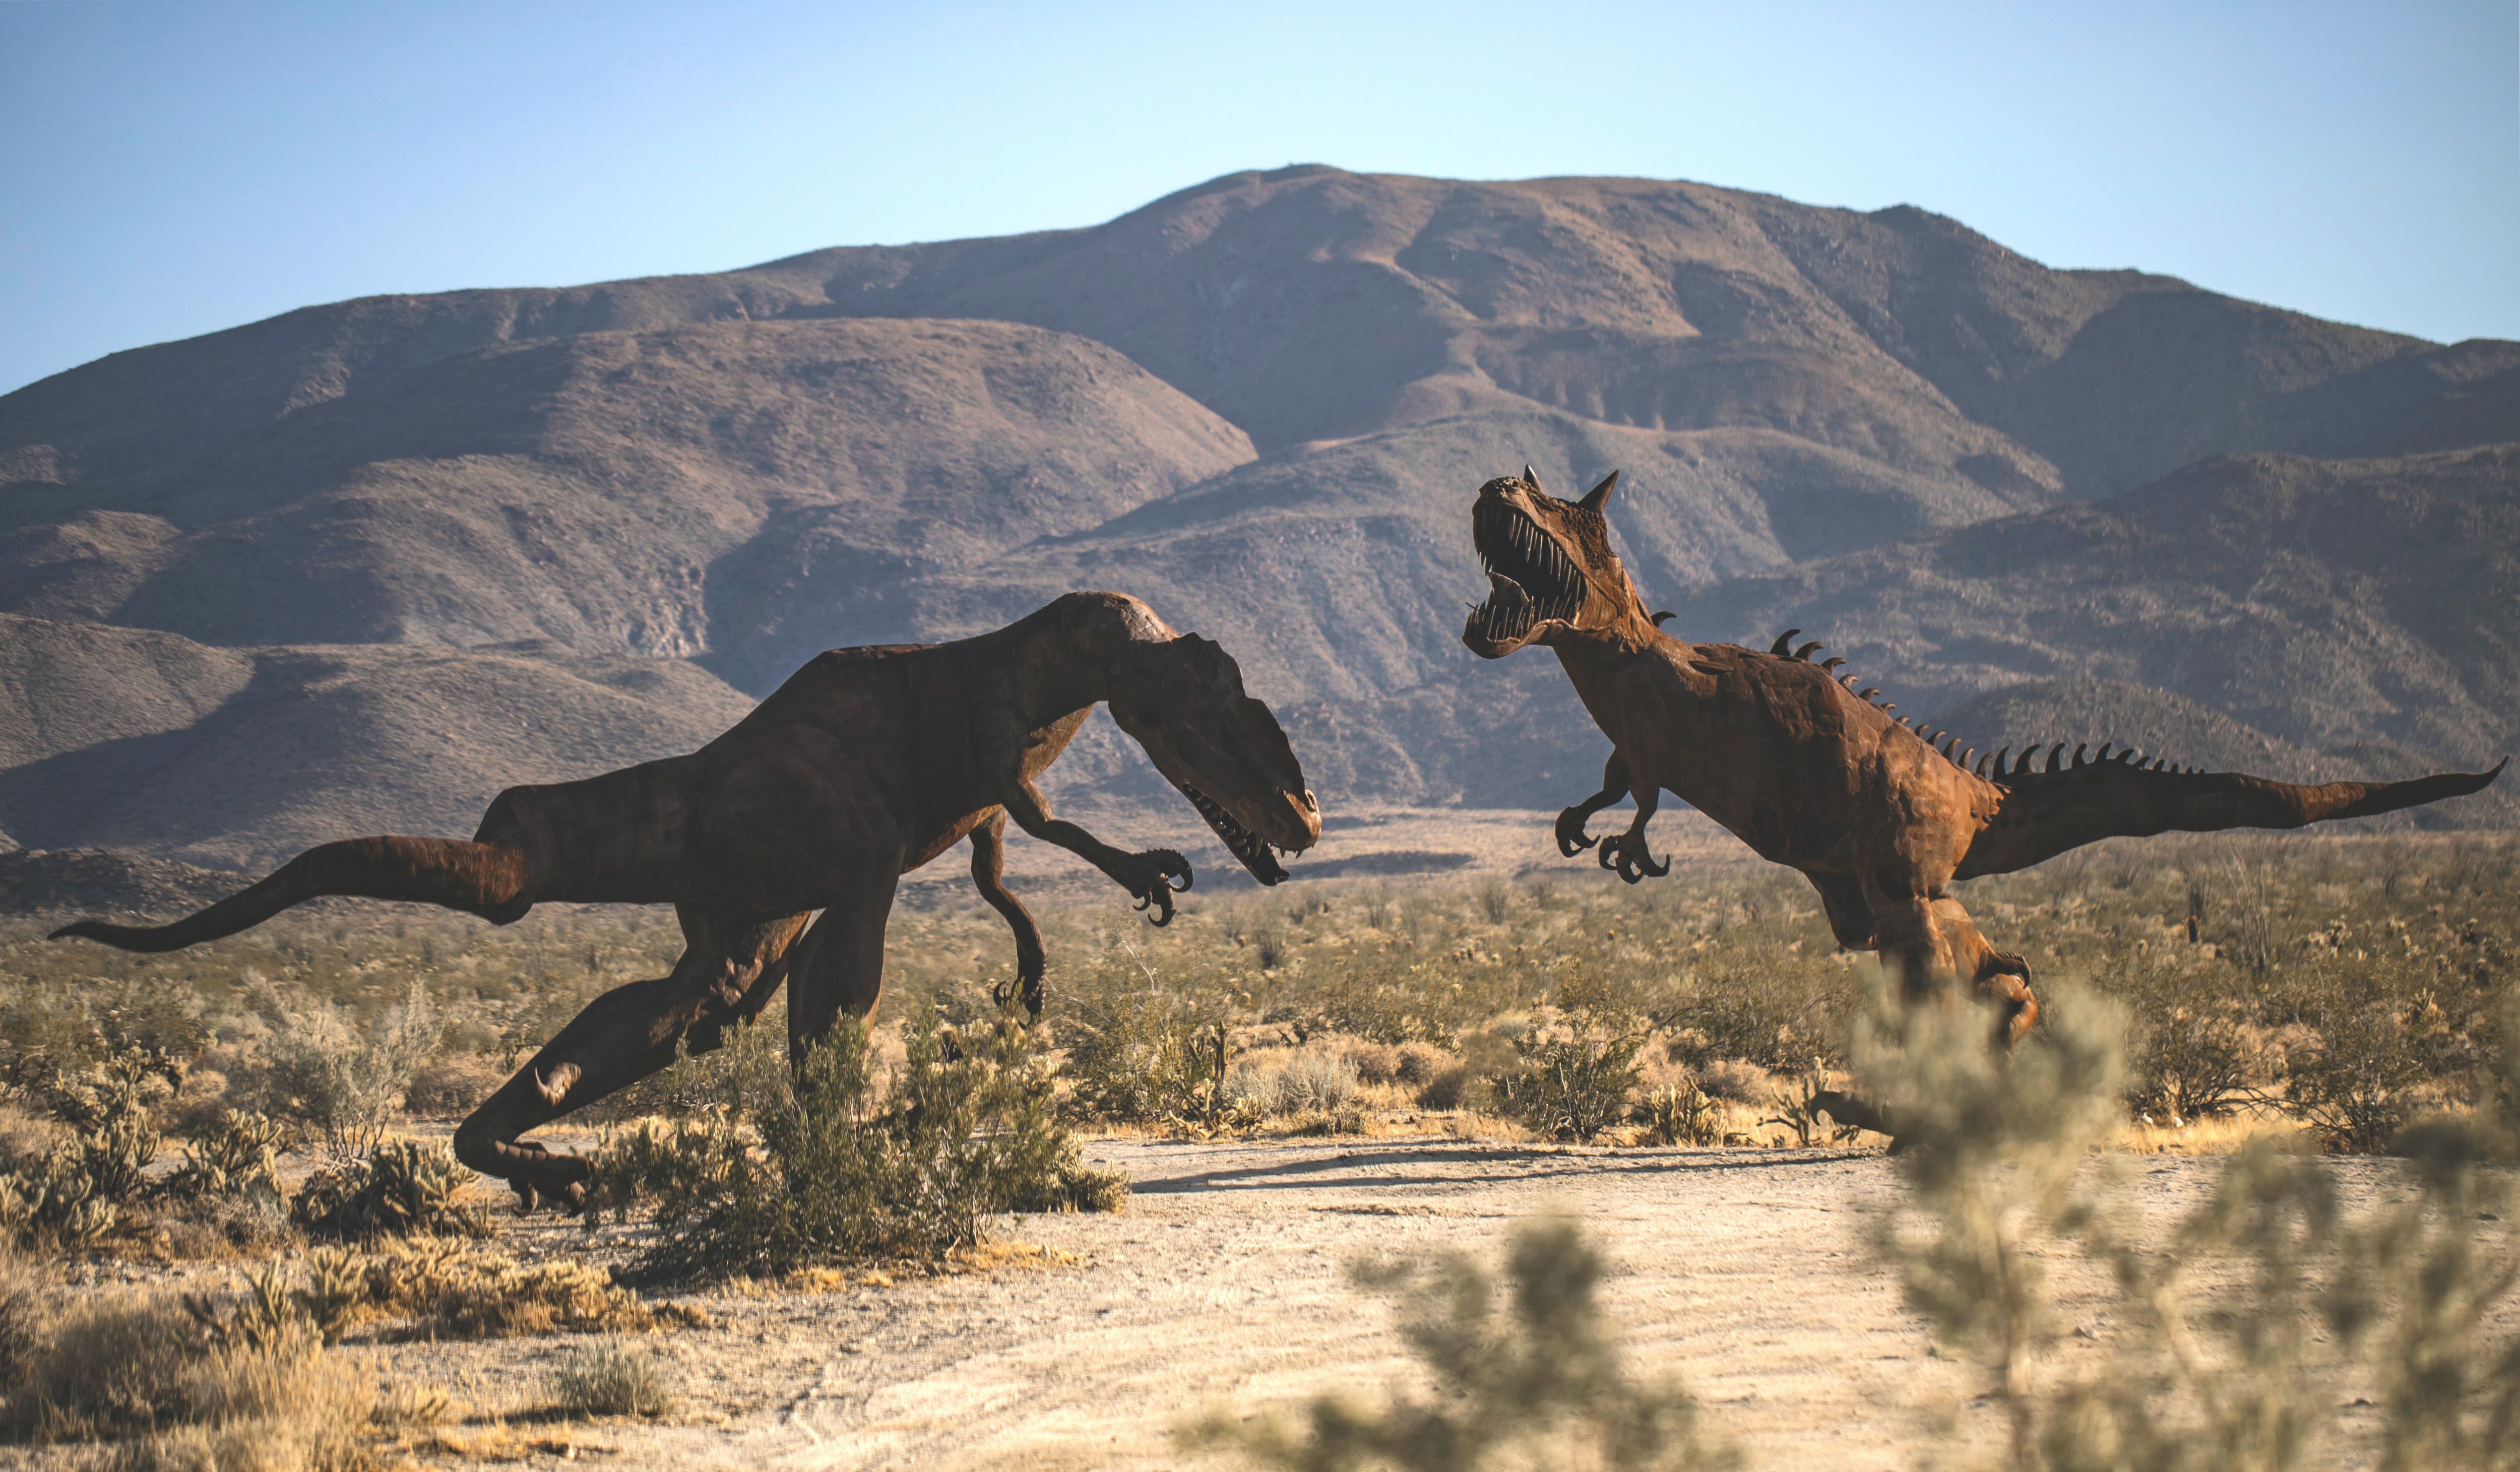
(1571, 837)
(1149, 877)
(1026, 987)
(1628, 856)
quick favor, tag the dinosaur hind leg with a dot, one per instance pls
(1627, 854)
(1999, 979)
(989, 876)
(728, 973)
(839, 968)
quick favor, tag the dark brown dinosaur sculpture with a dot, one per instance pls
(865, 764)
(1811, 773)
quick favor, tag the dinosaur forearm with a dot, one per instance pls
(1031, 812)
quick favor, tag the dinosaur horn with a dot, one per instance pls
(1531, 477)
(1599, 496)
(487, 879)
(1805, 653)
(1783, 647)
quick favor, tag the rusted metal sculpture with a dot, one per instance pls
(865, 764)
(1814, 774)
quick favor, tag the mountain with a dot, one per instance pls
(1262, 404)
(2368, 609)
(238, 758)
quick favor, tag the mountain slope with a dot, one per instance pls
(238, 758)
(2330, 603)
(1263, 403)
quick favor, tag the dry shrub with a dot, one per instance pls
(1732, 1079)
(452, 1085)
(1374, 1063)
(611, 1378)
(399, 1188)
(1539, 1383)
(342, 1076)
(1446, 1089)
(1419, 1063)
(449, 1289)
(2407, 1294)
(1682, 1114)
(842, 1161)
(142, 1366)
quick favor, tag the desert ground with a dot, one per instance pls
(1746, 1273)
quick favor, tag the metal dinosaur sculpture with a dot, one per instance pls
(1811, 773)
(865, 764)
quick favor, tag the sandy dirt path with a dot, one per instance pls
(1744, 1271)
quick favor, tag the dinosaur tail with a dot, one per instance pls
(2062, 807)
(486, 879)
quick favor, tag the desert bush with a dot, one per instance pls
(1313, 1081)
(239, 1159)
(400, 1188)
(1138, 1048)
(342, 1078)
(150, 1376)
(1574, 1075)
(610, 1377)
(2357, 1078)
(1538, 1383)
(1418, 1063)
(452, 1085)
(840, 1163)
(1732, 1079)
(1750, 1000)
(1998, 1186)
(1447, 1089)
(1682, 1114)
(1374, 1063)
(78, 1189)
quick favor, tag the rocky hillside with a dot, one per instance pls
(1262, 404)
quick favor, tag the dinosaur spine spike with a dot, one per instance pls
(2001, 753)
(1660, 618)
(1847, 680)
(2055, 756)
(1783, 647)
(1531, 477)
(1832, 662)
(2130, 758)
(1949, 747)
(1966, 753)
(2021, 767)
(1806, 652)
(2079, 748)
(1868, 693)
(2102, 757)
(2159, 761)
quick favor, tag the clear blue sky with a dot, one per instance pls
(173, 168)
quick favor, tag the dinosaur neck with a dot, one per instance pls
(1063, 666)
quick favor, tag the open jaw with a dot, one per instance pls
(1530, 578)
(1257, 854)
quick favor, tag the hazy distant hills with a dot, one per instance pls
(1262, 404)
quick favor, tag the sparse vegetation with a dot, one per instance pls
(611, 1378)
(1535, 1381)
(847, 1161)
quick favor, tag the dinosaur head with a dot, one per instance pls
(1182, 699)
(1552, 575)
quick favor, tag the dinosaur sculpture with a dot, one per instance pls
(1811, 773)
(865, 764)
